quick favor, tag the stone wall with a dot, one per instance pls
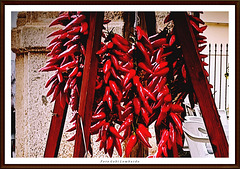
(33, 108)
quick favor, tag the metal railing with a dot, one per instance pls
(218, 73)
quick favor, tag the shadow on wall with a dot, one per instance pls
(13, 88)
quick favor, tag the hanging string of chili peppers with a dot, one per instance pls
(138, 83)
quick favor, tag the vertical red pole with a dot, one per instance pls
(56, 129)
(207, 105)
(88, 82)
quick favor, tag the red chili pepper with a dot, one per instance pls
(200, 37)
(144, 130)
(201, 41)
(205, 73)
(74, 118)
(144, 67)
(129, 65)
(158, 43)
(94, 128)
(110, 102)
(109, 142)
(128, 104)
(106, 77)
(160, 66)
(136, 81)
(136, 105)
(84, 27)
(72, 138)
(139, 32)
(118, 146)
(121, 39)
(74, 72)
(130, 144)
(164, 150)
(149, 94)
(126, 133)
(99, 116)
(99, 135)
(106, 21)
(110, 151)
(68, 66)
(51, 79)
(166, 54)
(122, 69)
(50, 46)
(114, 88)
(129, 76)
(196, 19)
(49, 68)
(74, 30)
(83, 50)
(159, 54)
(59, 20)
(126, 112)
(163, 140)
(158, 104)
(114, 61)
(75, 39)
(175, 150)
(184, 73)
(73, 83)
(177, 121)
(99, 107)
(69, 51)
(103, 49)
(107, 66)
(113, 72)
(127, 88)
(202, 56)
(168, 98)
(195, 26)
(115, 133)
(147, 106)
(144, 52)
(105, 128)
(172, 40)
(161, 72)
(178, 138)
(99, 86)
(152, 84)
(72, 128)
(172, 133)
(102, 145)
(144, 115)
(75, 22)
(120, 45)
(127, 123)
(142, 138)
(57, 32)
(177, 108)
(56, 92)
(163, 114)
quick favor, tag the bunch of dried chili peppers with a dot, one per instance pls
(138, 83)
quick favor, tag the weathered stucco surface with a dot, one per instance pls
(33, 108)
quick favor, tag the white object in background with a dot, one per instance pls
(196, 137)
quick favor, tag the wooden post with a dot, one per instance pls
(88, 82)
(207, 105)
(56, 129)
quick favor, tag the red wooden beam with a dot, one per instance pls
(88, 82)
(56, 129)
(207, 105)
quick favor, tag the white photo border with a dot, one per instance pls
(14, 8)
